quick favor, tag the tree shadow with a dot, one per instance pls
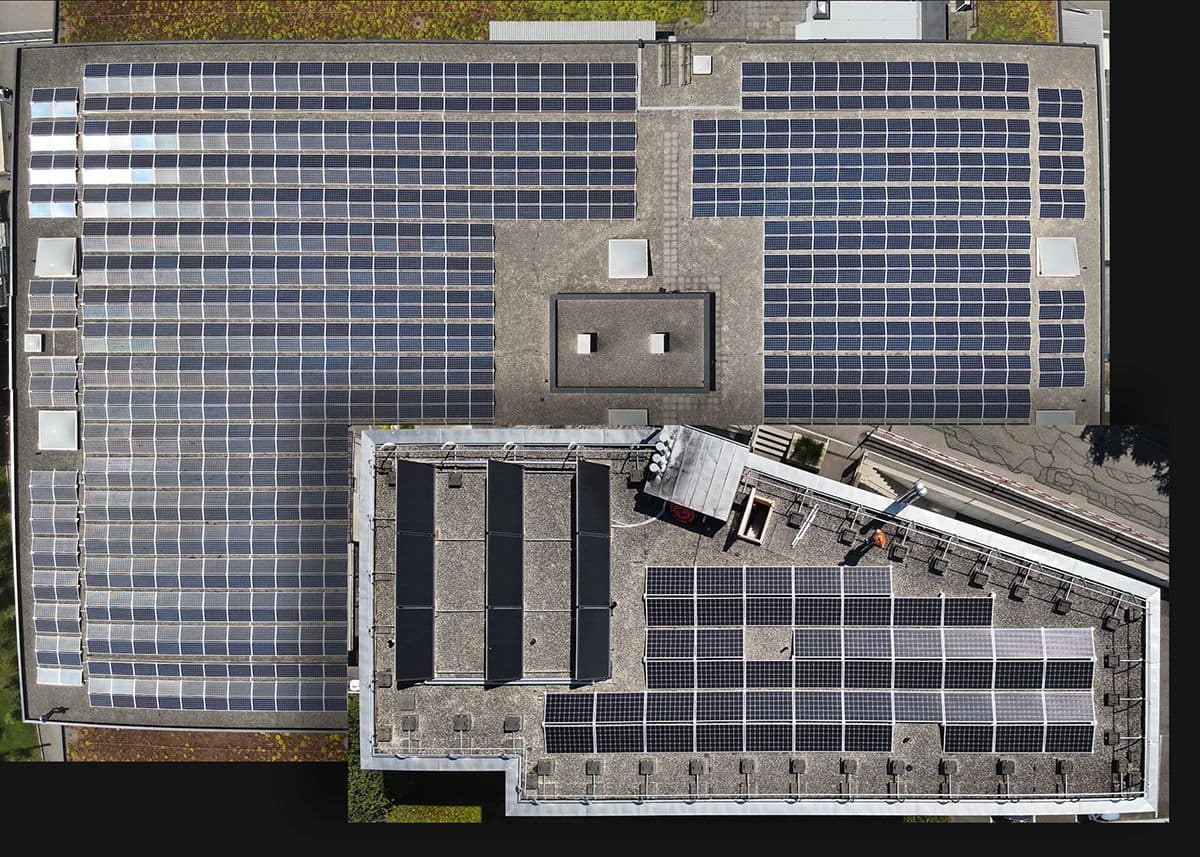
(1147, 446)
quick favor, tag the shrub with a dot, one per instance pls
(1016, 21)
(366, 794)
(806, 452)
(338, 20)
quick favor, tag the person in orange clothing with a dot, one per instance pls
(878, 539)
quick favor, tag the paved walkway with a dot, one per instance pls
(749, 19)
(53, 741)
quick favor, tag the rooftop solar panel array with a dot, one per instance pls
(57, 606)
(408, 86)
(591, 660)
(53, 160)
(251, 285)
(1060, 176)
(1062, 338)
(860, 661)
(886, 85)
(898, 204)
(828, 173)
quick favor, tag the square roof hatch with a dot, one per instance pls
(55, 257)
(58, 431)
(1057, 257)
(628, 258)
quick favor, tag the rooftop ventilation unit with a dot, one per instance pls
(628, 259)
(55, 257)
(58, 431)
(1057, 257)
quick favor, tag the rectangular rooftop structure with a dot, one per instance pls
(757, 655)
(269, 251)
(621, 328)
(56, 257)
(571, 31)
(702, 473)
(628, 258)
(862, 20)
(58, 431)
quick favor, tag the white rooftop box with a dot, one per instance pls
(33, 343)
(862, 19)
(1057, 257)
(628, 258)
(701, 63)
(55, 257)
(58, 431)
(585, 343)
(659, 343)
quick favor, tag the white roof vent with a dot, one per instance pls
(701, 63)
(55, 257)
(628, 258)
(585, 343)
(1057, 257)
(58, 431)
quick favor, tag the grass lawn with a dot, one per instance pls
(1016, 21)
(422, 814)
(138, 745)
(18, 741)
(184, 20)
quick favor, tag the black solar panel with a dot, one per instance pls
(414, 570)
(505, 568)
(414, 497)
(504, 633)
(505, 571)
(592, 661)
(414, 644)
(592, 498)
(967, 739)
(505, 498)
(592, 572)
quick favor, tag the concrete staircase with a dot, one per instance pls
(870, 479)
(771, 442)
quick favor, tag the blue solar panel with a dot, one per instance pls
(247, 291)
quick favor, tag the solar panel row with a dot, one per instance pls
(358, 203)
(1054, 170)
(381, 103)
(868, 673)
(52, 162)
(217, 695)
(884, 102)
(918, 405)
(803, 201)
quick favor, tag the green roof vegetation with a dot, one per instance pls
(424, 814)
(1016, 21)
(369, 798)
(806, 452)
(366, 793)
(338, 20)
(18, 740)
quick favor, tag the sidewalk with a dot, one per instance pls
(53, 741)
